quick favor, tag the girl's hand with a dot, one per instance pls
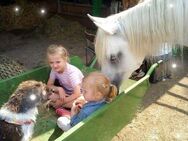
(61, 93)
(61, 96)
(58, 103)
(52, 89)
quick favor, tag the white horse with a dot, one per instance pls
(124, 39)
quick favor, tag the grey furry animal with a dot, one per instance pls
(18, 114)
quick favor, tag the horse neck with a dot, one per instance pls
(154, 22)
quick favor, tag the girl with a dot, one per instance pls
(97, 91)
(68, 76)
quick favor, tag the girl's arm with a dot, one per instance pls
(76, 93)
(50, 85)
(56, 89)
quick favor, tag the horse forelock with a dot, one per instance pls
(100, 45)
(107, 45)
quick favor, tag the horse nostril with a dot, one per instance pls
(113, 58)
(120, 55)
(116, 59)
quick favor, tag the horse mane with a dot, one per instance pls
(147, 25)
(153, 22)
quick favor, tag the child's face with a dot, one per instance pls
(56, 62)
(89, 92)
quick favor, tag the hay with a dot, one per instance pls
(9, 67)
(57, 27)
(27, 18)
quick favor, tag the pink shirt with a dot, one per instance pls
(70, 78)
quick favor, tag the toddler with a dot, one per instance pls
(97, 91)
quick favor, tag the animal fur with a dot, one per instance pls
(18, 114)
(124, 39)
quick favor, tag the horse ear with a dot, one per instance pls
(96, 19)
(105, 24)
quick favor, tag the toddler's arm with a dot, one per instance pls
(78, 117)
(77, 105)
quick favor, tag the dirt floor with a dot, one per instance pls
(30, 50)
(164, 112)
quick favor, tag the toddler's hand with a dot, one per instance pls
(74, 110)
(77, 105)
(79, 102)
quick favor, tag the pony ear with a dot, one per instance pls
(108, 25)
(96, 19)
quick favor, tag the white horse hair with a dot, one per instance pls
(124, 39)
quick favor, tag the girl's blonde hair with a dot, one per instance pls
(58, 49)
(103, 85)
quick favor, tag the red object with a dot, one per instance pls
(62, 112)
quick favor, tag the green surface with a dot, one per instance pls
(102, 125)
(109, 120)
(7, 86)
(46, 121)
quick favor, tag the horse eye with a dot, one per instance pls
(112, 58)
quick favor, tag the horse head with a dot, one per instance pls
(124, 39)
(113, 51)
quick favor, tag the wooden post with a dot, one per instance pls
(58, 6)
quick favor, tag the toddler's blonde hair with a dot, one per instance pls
(58, 49)
(102, 84)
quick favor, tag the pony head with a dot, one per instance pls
(125, 38)
(113, 51)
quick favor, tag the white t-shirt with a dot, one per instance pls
(70, 78)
